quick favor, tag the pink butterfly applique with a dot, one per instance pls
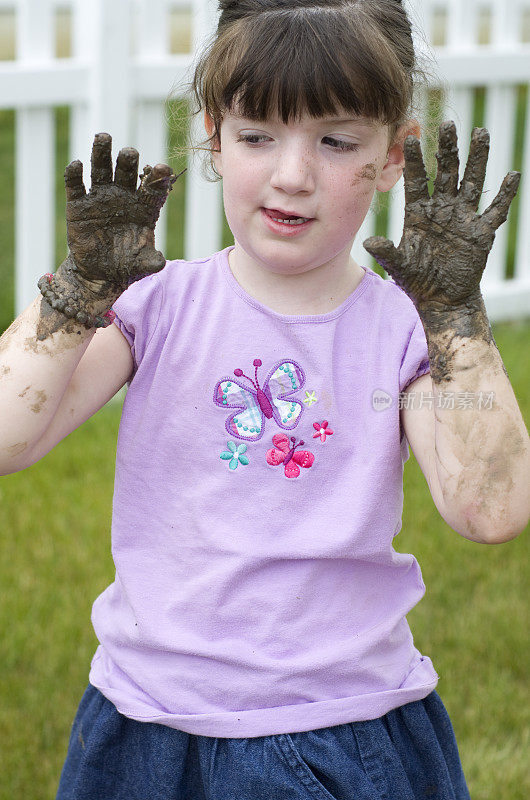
(285, 453)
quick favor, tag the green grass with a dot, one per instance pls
(55, 559)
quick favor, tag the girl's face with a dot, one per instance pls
(324, 171)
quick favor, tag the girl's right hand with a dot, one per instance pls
(110, 230)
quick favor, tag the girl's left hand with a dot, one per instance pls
(445, 244)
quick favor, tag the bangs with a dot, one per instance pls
(317, 61)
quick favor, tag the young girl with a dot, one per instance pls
(254, 644)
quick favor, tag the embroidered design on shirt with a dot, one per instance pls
(254, 404)
(322, 430)
(235, 454)
(310, 398)
(286, 454)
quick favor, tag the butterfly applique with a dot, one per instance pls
(254, 403)
(284, 452)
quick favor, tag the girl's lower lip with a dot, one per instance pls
(282, 228)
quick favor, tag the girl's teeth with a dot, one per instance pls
(297, 221)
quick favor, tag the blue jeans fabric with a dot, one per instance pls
(408, 754)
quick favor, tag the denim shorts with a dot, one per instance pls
(408, 754)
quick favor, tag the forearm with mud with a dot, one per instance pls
(482, 454)
(34, 374)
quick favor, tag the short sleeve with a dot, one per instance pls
(137, 311)
(415, 361)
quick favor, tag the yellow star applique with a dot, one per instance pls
(310, 398)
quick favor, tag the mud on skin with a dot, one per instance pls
(39, 401)
(369, 172)
(110, 232)
(16, 449)
(445, 244)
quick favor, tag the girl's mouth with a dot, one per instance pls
(283, 224)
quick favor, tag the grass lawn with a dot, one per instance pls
(55, 559)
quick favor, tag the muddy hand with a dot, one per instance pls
(445, 244)
(110, 229)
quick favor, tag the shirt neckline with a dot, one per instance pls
(292, 318)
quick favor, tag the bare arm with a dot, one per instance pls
(476, 462)
(466, 482)
(49, 388)
(60, 360)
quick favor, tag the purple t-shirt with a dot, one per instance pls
(259, 485)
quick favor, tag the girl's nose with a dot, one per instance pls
(293, 170)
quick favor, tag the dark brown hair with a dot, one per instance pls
(315, 57)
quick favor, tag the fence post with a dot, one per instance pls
(150, 135)
(462, 34)
(522, 250)
(203, 224)
(500, 121)
(35, 160)
(102, 39)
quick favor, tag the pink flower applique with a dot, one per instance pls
(322, 430)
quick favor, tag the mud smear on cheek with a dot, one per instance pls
(5, 371)
(366, 178)
(369, 172)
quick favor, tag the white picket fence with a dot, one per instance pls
(121, 73)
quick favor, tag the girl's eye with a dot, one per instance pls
(339, 144)
(250, 138)
(336, 144)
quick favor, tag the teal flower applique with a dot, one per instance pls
(235, 455)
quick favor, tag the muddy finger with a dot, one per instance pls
(497, 211)
(73, 181)
(157, 180)
(384, 252)
(415, 174)
(101, 160)
(448, 162)
(126, 174)
(475, 173)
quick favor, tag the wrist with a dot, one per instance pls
(467, 319)
(455, 336)
(71, 296)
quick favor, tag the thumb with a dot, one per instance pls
(149, 261)
(385, 253)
